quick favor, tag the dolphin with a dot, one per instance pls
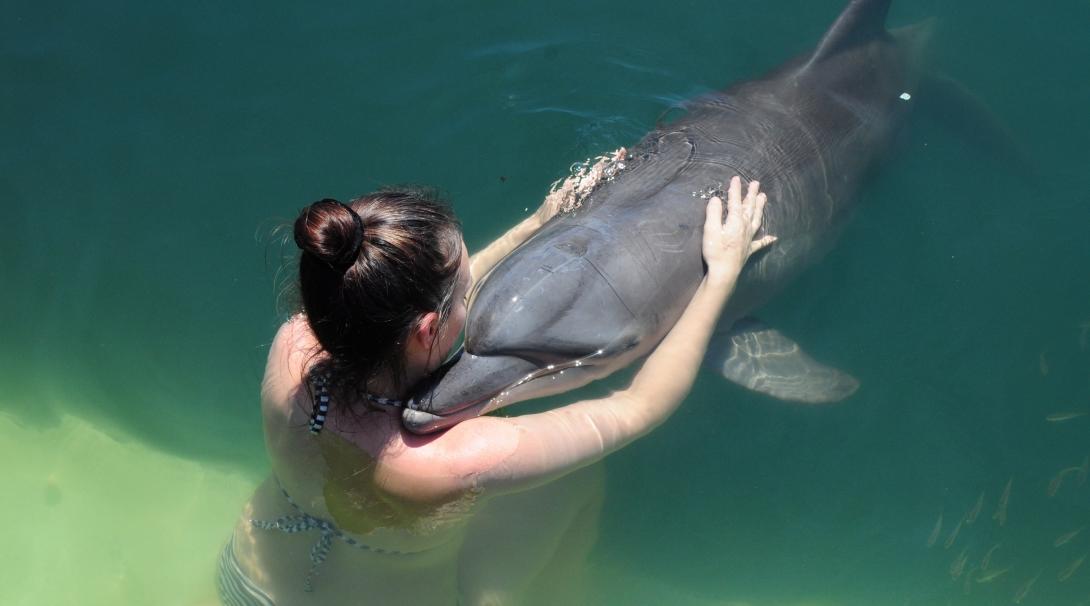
(597, 288)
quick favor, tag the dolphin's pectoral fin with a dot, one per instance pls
(762, 359)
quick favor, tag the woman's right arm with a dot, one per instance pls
(519, 452)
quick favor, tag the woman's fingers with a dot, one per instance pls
(730, 244)
(748, 201)
(757, 245)
(734, 194)
(759, 211)
(754, 188)
(713, 216)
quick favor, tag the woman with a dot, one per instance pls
(360, 511)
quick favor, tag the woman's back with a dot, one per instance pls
(425, 547)
(348, 472)
(336, 477)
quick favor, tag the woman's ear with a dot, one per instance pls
(426, 329)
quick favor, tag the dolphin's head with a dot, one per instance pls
(542, 322)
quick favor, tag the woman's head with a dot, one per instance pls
(382, 281)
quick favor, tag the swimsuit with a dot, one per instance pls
(235, 588)
(321, 408)
(302, 522)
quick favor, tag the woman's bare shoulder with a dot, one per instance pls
(444, 465)
(289, 354)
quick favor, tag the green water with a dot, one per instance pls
(150, 150)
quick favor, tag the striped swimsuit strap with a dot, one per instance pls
(321, 403)
(302, 522)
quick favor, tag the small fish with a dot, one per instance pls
(993, 575)
(935, 532)
(953, 536)
(1083, 469)
(1042, 363)
(1060, 417)
(1070, 570)
(1067, 537)
(967, 586)
(1001, 510)
(975, 511)
(986, 562)
(958, 565)
(1057, 481)
(1023, 591)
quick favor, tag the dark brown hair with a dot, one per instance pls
(368, 271)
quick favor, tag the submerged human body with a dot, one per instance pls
(358, 510)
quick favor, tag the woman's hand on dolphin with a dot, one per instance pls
(727, 245)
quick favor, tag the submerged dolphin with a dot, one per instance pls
(599, 287)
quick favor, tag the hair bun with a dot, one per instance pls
(330, 231)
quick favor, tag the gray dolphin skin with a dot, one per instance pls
(597, 288)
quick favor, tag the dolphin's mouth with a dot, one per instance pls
(554, 371)
(468, 386)
(461, 388)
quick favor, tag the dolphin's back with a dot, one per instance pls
(611, 278)
(809, 131)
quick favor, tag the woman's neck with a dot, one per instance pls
(383, 385)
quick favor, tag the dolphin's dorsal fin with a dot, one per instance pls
(860, 21)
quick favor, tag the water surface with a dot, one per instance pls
(151, 150)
